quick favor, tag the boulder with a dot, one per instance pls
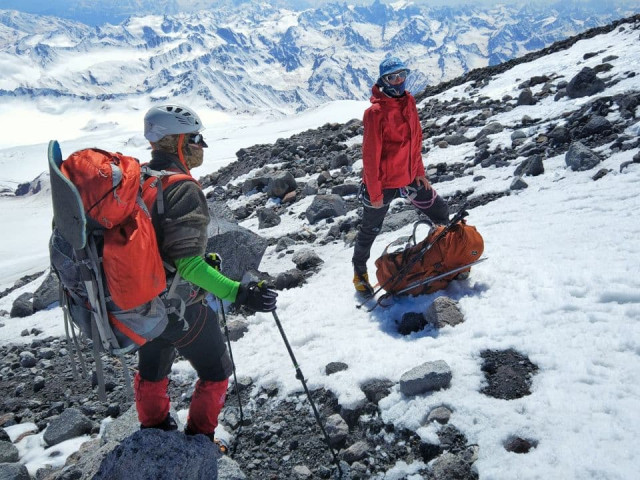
(47, 293)
(241, 249)
(584, 84)
(427, 377)
(22, 306)
(280, 184)
(579, 157)
(69, 424)
(444, 311)
(267, 218)
(325, 206)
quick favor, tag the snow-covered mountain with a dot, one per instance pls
(260, 57)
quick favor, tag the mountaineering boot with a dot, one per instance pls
(362, 285)
(221, 444)
(168, 424)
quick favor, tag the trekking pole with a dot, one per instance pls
(400, 274)
(300, 377)
(214, 260)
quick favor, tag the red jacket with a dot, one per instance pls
(392, 143)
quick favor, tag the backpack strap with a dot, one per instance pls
(154, 183)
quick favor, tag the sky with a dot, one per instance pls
(560, 285)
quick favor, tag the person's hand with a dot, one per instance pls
(377, 203)
(257, 297)
(424, 181)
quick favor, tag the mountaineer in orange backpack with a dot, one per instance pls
(392, 163)
(180, 217)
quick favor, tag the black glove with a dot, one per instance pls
(257, 297)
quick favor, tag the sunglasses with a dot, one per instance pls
(197, 139)
(397, 77)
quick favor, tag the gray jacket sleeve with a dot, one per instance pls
(184, 225)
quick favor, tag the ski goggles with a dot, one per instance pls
(396, 77)
(197, 139)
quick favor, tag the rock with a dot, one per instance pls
(229, 470)
(237, 328)
(280, 184)
(453, 467)
(599, 174)
(301, 472)
(560, 134)
(439, 414)
(355, 452)
(27, 359)
(517, 135)
(597, 125)
(579, 157)
(241, 249)
(284, 243)
(584, 84)
(394, 221)
(325, 206)
(532, 166)
(427, 377)
(352, 413)
(346, 189)
(526, 97)
(290, 279)
(519, 445)
(411, 322)
(69, 424)
(185, 457)
(490, 129)
(38, 383)
(456, 139)
(255, 184)
(518, 184)
(335, 367)
(9, 452)
(306, 259)
(47, 293)
(376, 389)
(22, 306)
(13, 471)
(267, 218)
(444, 311)
(337, 429)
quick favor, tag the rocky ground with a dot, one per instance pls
(278, 439)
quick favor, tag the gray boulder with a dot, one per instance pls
(526, 97)
(268, 218)
(427, 377)
(597, 125)
(306, 259)
(579, 157)
(337, 429)
(47, 293)
(518, 184)
(69, 424)
(444, 311)
(153, 453)
(8, 452)
(325, 206)
(13, 471)
(289, 279)
(22, 306)
(584, 84)
(532, 166)
(241, 249)
(456, 139)
(356, 452)
(492, 128)
(280, 184)
(255, 184)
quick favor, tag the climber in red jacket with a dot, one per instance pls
(392, 163)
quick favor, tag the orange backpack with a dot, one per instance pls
(459, 245)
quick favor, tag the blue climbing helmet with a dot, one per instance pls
(393, 86)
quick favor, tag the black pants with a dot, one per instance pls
(201, 344)
(372, 219)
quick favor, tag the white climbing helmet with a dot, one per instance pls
(165, 120)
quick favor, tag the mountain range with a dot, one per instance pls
(253, 56)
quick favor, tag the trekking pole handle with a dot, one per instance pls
(213, 260)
